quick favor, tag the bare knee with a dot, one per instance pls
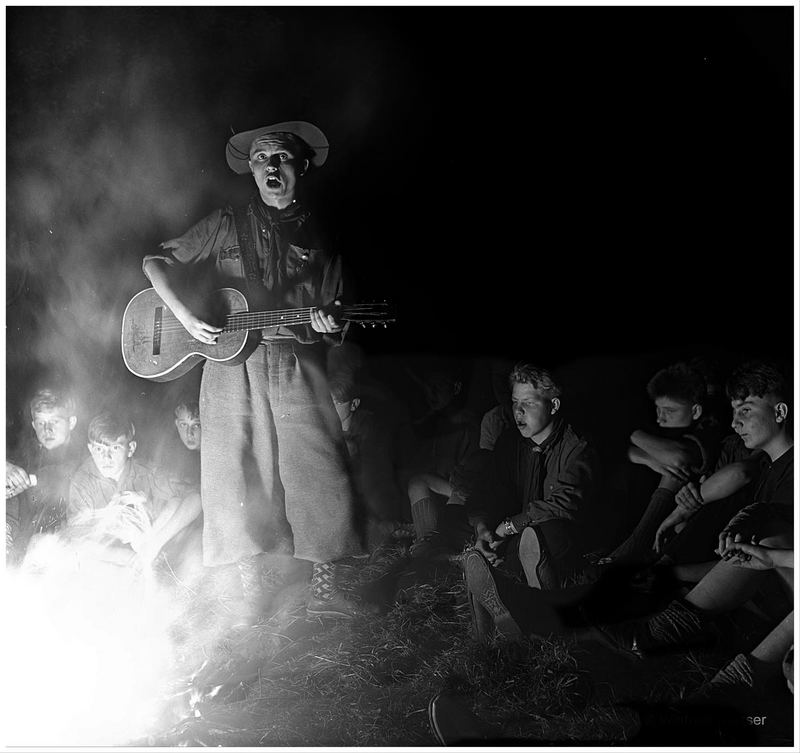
(418, 488)
(778, 541)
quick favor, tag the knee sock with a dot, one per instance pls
(680, 623)
(425, 514)
(250, 578)
(638, 547)
(323, 580)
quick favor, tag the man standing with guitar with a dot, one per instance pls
(273, 470)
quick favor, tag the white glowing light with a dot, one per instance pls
(87, 647)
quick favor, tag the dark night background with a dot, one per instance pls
(564, 183)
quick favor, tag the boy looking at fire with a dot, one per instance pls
(37, 484)
(161, 508)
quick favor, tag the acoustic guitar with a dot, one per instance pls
(156, 346)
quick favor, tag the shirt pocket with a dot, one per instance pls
(229, 262)
(304, 275)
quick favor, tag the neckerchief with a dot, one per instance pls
(273, 224)
(535, 480)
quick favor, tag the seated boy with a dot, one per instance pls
(679, 450)
(686, 538)
(498, 418)
(453, 530)
(758, 455)
(743, 689)
(111, 478)
(531, 509)
(50, 456)
(760, 399)
(185, 460)
(444, 437)
(372, 456)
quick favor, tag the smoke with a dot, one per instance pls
(116, 121)
(100, 169)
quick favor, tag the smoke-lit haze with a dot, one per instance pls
(564, 171)
(117, 120)
(556, 183)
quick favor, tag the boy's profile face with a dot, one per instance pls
(53, 427)
(758, 420)
(533, 410)
(346, 409)
(110, 456)
(189, 431)
(672, 413)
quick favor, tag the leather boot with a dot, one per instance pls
(259, 588)
(326, 599)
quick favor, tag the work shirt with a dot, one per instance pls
(773, 503)
(533, 482)
(90, 490)
(295, 270)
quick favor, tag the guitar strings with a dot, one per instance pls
(259, 319)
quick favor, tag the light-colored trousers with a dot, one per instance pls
(273, 465)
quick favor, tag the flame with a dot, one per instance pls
(88, 653)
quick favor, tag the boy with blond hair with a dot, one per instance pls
(37, 479)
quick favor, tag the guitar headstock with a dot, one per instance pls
(375, 314)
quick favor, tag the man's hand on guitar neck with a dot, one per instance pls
(324, 322)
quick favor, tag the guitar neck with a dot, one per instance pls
(248, 320)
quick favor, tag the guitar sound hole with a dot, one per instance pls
(158, 315)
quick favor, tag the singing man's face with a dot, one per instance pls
(276, 167)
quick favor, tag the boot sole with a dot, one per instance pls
(461, 727)
(328, 612)
(483, 589)
(530, 555)
(481, 620)
(437, 733)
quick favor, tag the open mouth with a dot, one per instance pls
(273, 182)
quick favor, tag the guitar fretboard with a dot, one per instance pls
(259, 319)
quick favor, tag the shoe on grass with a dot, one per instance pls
(452, 723)
(326, 599)
(485, 599)
(677, 627)
(736, 686)
(435, 546)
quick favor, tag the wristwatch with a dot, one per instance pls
(510, 527)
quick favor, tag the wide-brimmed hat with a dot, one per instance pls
(237, 150)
